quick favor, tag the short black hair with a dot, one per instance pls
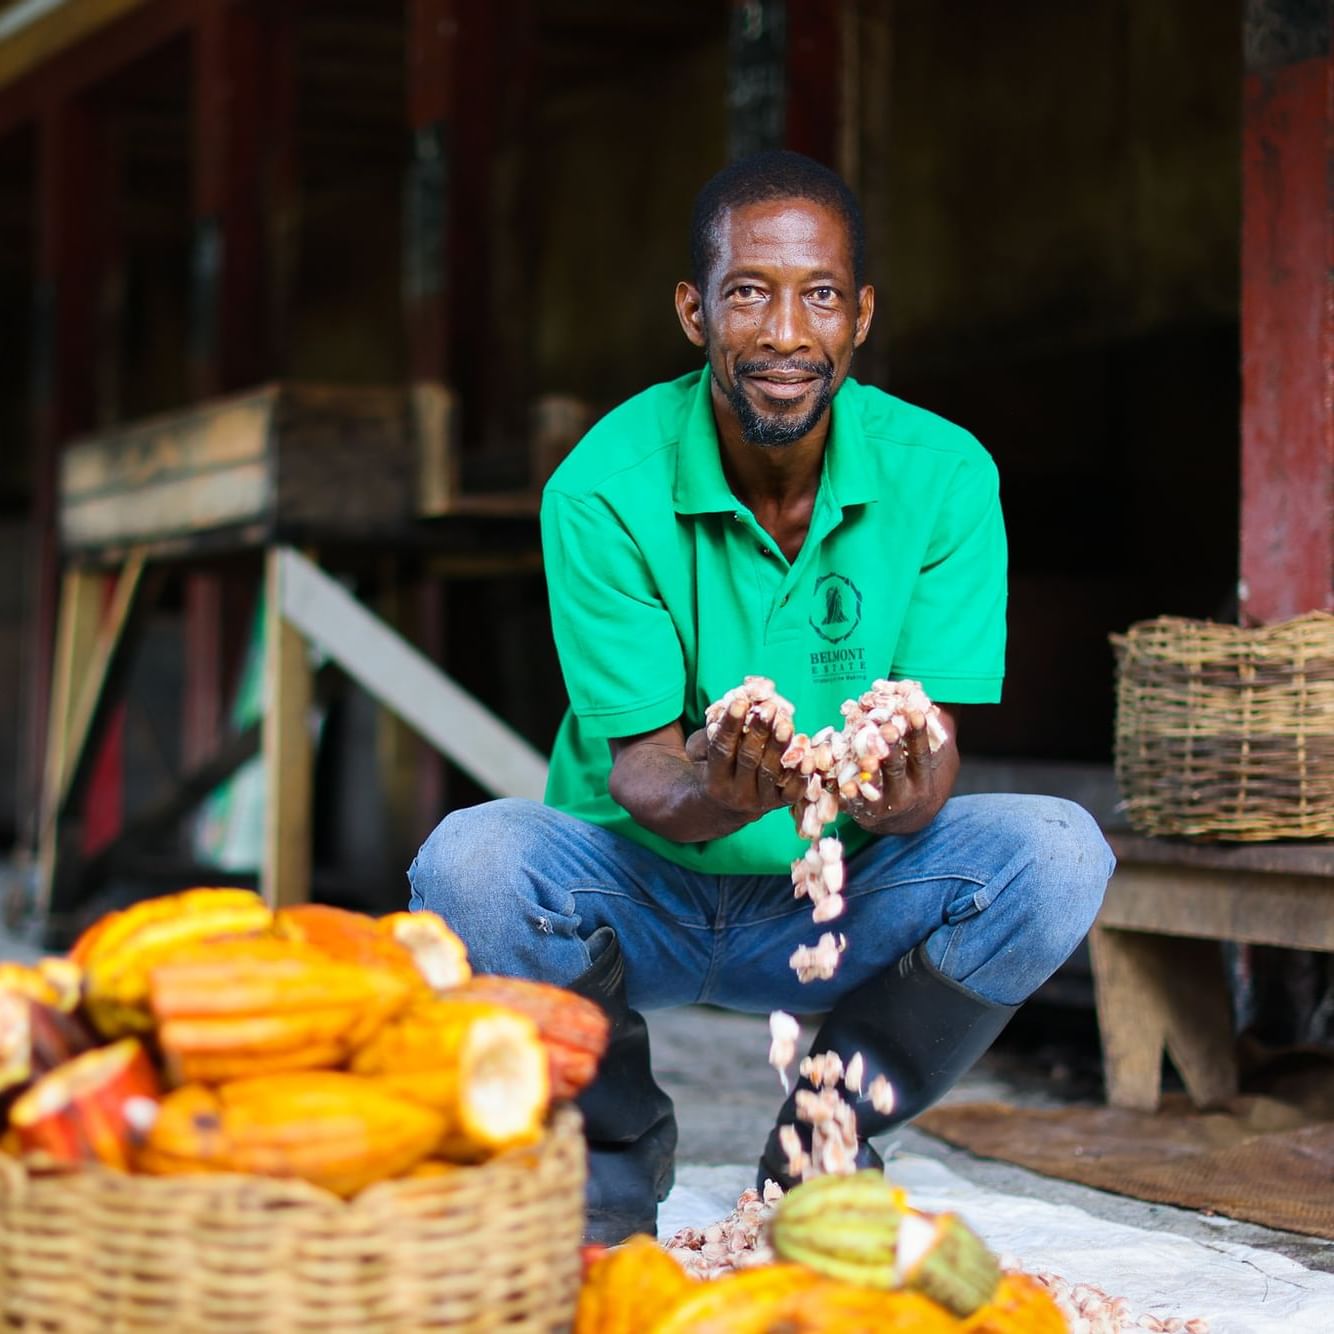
(760, 177)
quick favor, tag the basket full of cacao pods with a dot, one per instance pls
(221, 1117)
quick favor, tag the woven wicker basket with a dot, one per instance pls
(1224, 732)
(488, 1247)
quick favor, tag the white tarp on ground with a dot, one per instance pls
(1238, 1289)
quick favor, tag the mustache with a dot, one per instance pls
(823, 370)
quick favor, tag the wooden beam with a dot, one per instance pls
(287, 747)
(120, 40)
(26, 44)
(406, 681)
(95, 686)
(1287, 312)
(1253, 907)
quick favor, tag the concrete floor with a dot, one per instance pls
(714, 1066)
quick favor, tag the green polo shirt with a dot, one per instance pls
(665, 591)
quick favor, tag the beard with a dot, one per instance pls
(777, 428)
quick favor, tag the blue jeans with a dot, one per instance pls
(1002, 888)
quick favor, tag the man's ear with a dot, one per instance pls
(690, 311)
(865, 309)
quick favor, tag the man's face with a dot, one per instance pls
(779, 317)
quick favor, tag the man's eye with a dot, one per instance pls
(743, 290)
(825, 295)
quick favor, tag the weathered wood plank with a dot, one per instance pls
(1251, 907)
(1293, 857)
(328, 458)
(406, 681)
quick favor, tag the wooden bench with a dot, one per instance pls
(1158, 973)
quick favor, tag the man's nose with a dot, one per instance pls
(784, 328)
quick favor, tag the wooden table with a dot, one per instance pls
(1158, 970)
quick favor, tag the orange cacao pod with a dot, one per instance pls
(417, 946)
(1021, 1305)
(482, 1066)
(745, 1301)
(573, 1029)
(228, 1009)
(626, 1289)
(332, 1129)
(90, 1109)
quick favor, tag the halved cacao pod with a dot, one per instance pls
(52, 981)
(35, 1039)
(626, 1289)
(1021, 1305)
(419, 946)
(573, 1029)
(90, 1109)
(119, 950)
(231, 1009)
(335, 1130)
(941, 1256)
(481, 1065)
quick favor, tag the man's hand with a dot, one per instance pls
(914, 783)
(740, 766)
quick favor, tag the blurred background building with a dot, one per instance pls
(490, 199)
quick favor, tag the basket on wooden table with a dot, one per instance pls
(479, 1247)
(1224, 732)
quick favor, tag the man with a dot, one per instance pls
(767, 515)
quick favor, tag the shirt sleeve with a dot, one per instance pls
(618, 647)
(953, 636)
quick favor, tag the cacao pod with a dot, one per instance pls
(119, 950)
(90, 1109)
(573, 1029)
(832, 1307)
(1021, 1305)
(229, 1009)
(419, 947)
(482, 1066)
(54, 982)
(941, 1256)
(332, 1129)
(626, 1289)
(846, 1227)
(745, 1301)
(34, 1039)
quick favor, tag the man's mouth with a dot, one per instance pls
(786, 382)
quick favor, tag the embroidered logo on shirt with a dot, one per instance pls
(836, 607)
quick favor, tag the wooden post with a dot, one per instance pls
(786, 77)
(287, 750)
(63, 381)
(244, 206)
(1287, 312)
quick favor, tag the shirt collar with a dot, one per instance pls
(701, 487)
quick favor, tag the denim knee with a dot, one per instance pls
(469, 852)
(1069, 865)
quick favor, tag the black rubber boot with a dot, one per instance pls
(912, 1024)
(628, 1120)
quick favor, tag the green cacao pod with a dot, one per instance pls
(844, 1226)
(940, 1256)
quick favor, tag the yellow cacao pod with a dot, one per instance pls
(332, 1129)
(480, 1065)
(119, 950)
(626, 1289)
